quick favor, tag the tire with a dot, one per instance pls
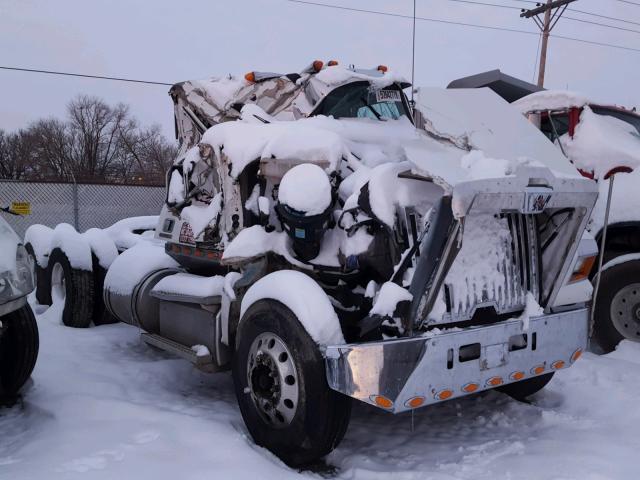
(320, 416)
(74, 287)
(19, 345)
(101, 315)
(525, 388)
(617, 314)
(43, 286)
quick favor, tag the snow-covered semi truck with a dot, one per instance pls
(18, 329)
(595, 138)
(326, 242)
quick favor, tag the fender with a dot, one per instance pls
(304, 297)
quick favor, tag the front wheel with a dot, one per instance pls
(281, 387)
(617, 314)
(19, 343)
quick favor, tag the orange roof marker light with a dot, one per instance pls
(495, 382)
(332, 63)
(470, 387)
(576, 355)
(537, 370)
(444, 394)
(317, 65)
(250, 77)
(557, 365)
(516, 376)
(415, 402)
(383, 68)
(382, 401)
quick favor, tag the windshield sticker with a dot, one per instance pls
(388, 96)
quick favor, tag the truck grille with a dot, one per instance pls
(496, 267)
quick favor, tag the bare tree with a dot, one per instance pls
(97, 142)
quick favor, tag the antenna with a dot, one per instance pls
(413, 56)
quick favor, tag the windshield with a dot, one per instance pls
(361, 100)
(627, 117)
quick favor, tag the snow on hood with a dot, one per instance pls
(551, 100)
(602, 142)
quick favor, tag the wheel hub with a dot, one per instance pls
(272, 379)
(625, 311)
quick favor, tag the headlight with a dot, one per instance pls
(19, 282)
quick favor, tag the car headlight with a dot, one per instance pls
(20, 281)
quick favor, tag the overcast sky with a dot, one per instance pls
(174, 40)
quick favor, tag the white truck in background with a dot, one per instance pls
(596, 137)
(326, 242)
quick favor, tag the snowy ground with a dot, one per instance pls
(104, 405)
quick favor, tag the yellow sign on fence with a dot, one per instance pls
(22, 208)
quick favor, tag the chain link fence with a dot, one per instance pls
(82, 205)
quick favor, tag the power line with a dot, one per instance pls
(99, 77)
(496, 5)
(629, 2)
(599, 15)
(463, 24)
(601, 24)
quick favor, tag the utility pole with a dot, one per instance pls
(552, 10)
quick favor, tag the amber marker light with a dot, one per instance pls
(317, 65)
(576, 355)
(537, 370)
(495, 381)
(332, 63)
(516, 376)
(444, 394)
(250, 77)
(583, 268)
(557, 365)
(470, 387)
(382, 68)
(415, 402)
(382, 401)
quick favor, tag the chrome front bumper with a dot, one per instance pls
(408, 373)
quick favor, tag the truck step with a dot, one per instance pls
(202, 362)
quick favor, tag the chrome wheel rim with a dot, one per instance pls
(272, 380)
(625, 311)
(58, 289)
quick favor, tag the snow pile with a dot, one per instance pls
(531, 310)
(339, 75)
(201, 350)
(134, 264)
(74, 246)
(255, 241)
(122, 232)
(602, 142)
(388, 297)
(304, 298)
(188, 284)
(128, 410)
(245, 142)
(102, 246)
(39, 236)
(199, 216)
(305, 188)
(551, 100)
(176, 188)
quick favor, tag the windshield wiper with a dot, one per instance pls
(366, 104)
